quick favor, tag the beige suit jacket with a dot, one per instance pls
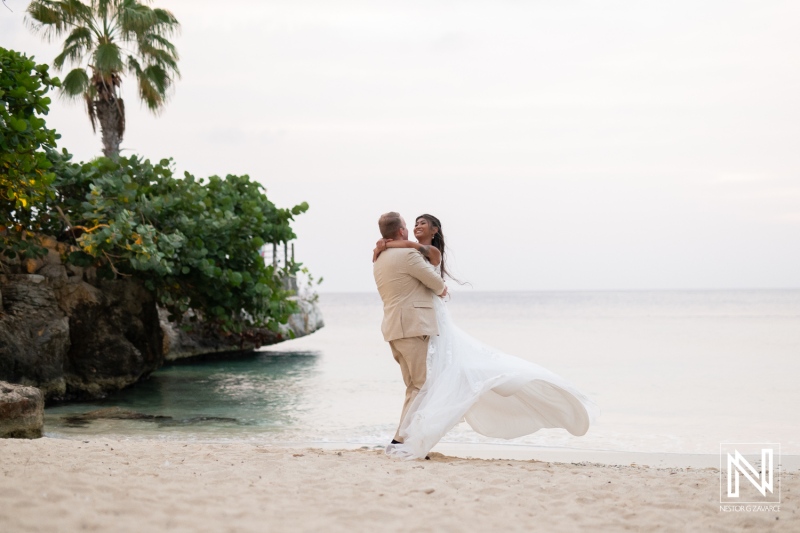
(407, 283)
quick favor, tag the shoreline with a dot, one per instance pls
(54, 484)
(517, 452)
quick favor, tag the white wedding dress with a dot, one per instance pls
(498, 395)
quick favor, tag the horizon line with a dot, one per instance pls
(459, 289)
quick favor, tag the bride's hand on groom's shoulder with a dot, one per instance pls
(380, 246)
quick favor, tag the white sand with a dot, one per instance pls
(148, 485)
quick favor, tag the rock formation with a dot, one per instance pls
(72, 335)
(180, 344)
(21, 411)
(75, 336)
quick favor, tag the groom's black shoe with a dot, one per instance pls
(428, 457)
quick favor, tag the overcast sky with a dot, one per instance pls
(564, 145)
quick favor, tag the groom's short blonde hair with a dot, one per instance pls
(389, 224)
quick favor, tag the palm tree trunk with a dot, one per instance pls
(111, 116)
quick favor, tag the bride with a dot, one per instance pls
(497, 394)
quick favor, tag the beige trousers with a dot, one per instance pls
(411, 354)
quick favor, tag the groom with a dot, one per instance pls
(406, 283)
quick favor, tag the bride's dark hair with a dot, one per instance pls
(438, 241)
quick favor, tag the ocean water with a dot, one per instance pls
(672, 372)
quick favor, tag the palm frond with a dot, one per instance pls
(134, 67)
(159, 77)
(72, 53)
(149, 93)
(80, 35)
(155, 40)
(135, 18)
(44, 12)
(76, 46)
(51, 18)
(75, 84)
(90, 110)
(103, 7)
(167, 23)
(159, 56)
(44, 17)
(107, 58)
(75, 9)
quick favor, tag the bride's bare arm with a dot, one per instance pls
(431, 253)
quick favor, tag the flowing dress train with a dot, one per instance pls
(498, 395)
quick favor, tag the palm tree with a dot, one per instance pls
(106, 39)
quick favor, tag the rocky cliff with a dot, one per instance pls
(73, 339)
(74, 336)
(180, 344)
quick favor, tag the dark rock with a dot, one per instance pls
(117, 413)
(75, 271)
(195, 420)
(76, 340)
(180, 344)
(21, 411)
(53, 271)
(115, 337)
(109, 413)
(34, 335)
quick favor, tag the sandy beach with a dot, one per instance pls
(149, 485)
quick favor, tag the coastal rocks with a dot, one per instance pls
(305, 322)
(21, 411)
(117, 413)
(34, 334)
(115, 338)
(108, 413)
(75, 336)
(181, 344)
(70, 334)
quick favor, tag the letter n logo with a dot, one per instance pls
(755, 462)
(762, 481)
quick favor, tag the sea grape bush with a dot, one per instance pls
(26, 174)
(195, 242)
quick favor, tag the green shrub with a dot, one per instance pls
(25, 170)
(194, 242)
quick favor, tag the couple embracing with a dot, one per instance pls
(450, 376)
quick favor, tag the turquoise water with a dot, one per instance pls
(264, 393)
(672, 371)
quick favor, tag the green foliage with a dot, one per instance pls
(25, 170)
(195, 243)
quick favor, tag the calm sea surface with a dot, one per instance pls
(672, 371)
